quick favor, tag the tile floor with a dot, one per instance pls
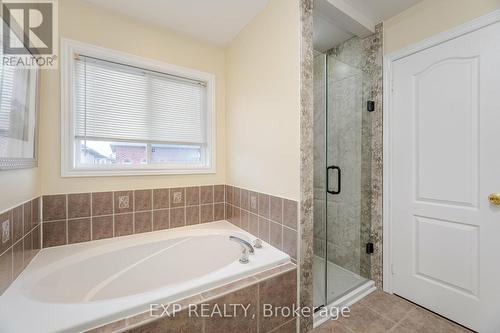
(380, 313)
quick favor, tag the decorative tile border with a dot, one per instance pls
(270, 286)
(81, 217)
(20, 236)
(270, 218)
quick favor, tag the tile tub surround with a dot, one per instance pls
(81, 217)
(21, 242)
(269, 287)
(270, 218)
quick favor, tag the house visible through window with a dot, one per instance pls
(126, 116)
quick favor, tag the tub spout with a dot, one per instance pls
(246, 246)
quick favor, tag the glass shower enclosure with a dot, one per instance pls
(342, 174)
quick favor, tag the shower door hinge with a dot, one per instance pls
(370, 106)
(370, 248)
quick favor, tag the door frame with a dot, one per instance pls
(389, 59)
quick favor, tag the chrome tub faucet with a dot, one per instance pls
(247, 248)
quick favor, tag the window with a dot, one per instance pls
(129, 115)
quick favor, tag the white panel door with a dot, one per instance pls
(445, 162)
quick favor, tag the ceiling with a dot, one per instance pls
(336, 21)
(219, 21)
(380, 10)
(215, 21)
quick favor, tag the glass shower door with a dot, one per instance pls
(342, 175)
(348, 174)
(320, 105)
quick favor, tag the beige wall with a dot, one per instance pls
(263, 113)
(18, 186)
(85, 22)
(431, 17)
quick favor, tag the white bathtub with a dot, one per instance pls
(78, 287)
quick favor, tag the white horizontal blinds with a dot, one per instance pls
(120, 102)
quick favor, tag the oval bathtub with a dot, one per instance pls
(78, 287)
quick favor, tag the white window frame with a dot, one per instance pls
(69, 167)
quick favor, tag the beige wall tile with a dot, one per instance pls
(276, 209)
(124, 224)
(207, 195)
(79, 205)
(54, 233)
(192, 215)
(245, 197)
(276, 235)
(206, 213)
(219, 210)
(177, 217)
(277, 291)
(28, 217)
(17, 222)
(35, 212)
(219, 193)
(161, 198)
(290, 242)
(5, 270)
(161, 219)
(102, 203)
(17, 258)
(229, 194)
(143, 222)
(102, 227)
(79, 231)
(264, 205)
(264, 229)
(253, 224)
(192, 196)
(237, 196)
(290, 214)
(238, 323)
(143, 200)
(54, 207)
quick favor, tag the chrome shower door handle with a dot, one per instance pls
(339, 179)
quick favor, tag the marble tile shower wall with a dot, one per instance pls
(270, 218)
(81, 217)
(20, 240)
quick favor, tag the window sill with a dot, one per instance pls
(134, 172)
